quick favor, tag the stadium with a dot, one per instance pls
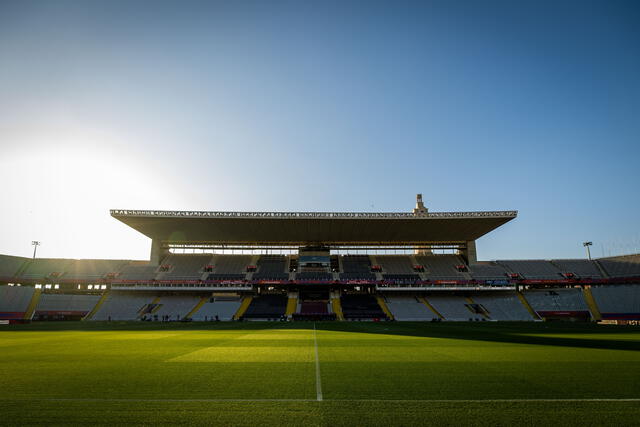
(320, 318)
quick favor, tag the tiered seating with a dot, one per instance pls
(271, 267)
(441, 267)
(615, 301)
(93, 269)
(409, 309)
(580, 267)
(56, 306)
(138, 271)
(452, 307)
(361, 306)
(14, 301)
(533, 269)
(503, 306)
(624, 266)
(356, 267)
(9, 265)
(176, 307)
(314, 307)
(313, 275)
(487, 271)
(122, 306)
(43, 268)
(184, 267)
(395, 264)
(556, 300)
(266, 307)
(230, 267)
(223, 307)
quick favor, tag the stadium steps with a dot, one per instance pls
(600, 268)
(591, 303)
(526, 304)
(484, 312)
(337, 307)
(246, 302)
(292, 305)
(430, 307)
(197, 307)
(383, 305)
(95, 309)
(32, 304)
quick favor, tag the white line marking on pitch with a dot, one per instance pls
(318, 381)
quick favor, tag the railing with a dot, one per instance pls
(324, 215)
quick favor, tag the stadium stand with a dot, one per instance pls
(503, 306)
(266, 307)
(356, 267)
(64, 306)
(402, 279)
(409, 309)
(230, 267)
(618, 301)
(14, 301)
(184, 267)
(272, 267)
(623, 266)
(175, 307)
(580, 267)
(452, 307)
(395, 264)
(314, 276)
(441, 267)
(123, 306)
(10, 266)
(93, 269)
(487, 271)
(223, 307)
(361, 306)
(557, 303)
(533, 269)
(45, 268)
(138, 271)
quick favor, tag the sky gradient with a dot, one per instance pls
(320, 106)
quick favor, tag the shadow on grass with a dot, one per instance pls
(504, 332)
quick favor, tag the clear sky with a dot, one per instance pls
(319, 106)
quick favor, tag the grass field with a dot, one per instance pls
(319, 374)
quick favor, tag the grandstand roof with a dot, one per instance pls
(305, 228)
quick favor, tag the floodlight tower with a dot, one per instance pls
(35, 244)
(586, 245)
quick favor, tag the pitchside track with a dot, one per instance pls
(319, 374)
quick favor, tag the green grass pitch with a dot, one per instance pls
(265, 374)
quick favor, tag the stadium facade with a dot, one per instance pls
(414, 266)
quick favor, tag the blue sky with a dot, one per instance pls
(298, 105)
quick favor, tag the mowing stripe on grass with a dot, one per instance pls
(62, 399)
(318, 381)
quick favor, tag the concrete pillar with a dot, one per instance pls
(469, 254)
(157, 252)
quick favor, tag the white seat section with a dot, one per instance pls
(69, 302)
(617, 298)
(503, 306)
(224, 308)
(15, 299)
(556, 300)
(123, 306)
(452, 307)
(409, 309)
(176, 306)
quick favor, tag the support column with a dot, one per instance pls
(157, 252)
(469, 254)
